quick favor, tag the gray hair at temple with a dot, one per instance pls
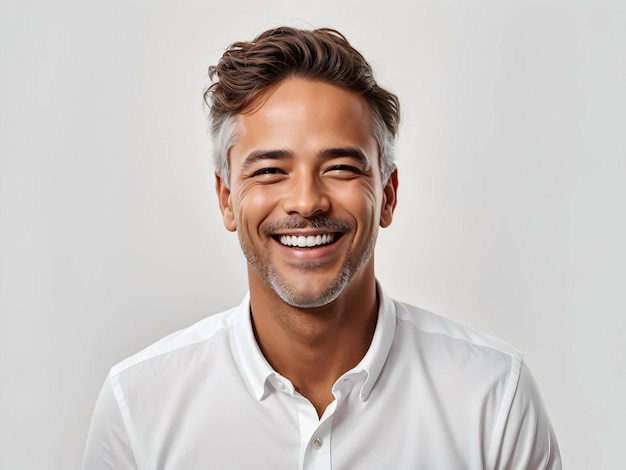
(247, 69)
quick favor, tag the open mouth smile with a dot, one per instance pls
(307, 241)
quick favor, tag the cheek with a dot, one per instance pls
(252, 205)
(363, 202)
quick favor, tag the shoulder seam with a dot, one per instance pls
(149, 353)
(489, 341)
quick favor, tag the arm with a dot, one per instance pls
(108, 446)
(527, 440)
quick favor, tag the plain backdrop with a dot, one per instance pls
(511, 215)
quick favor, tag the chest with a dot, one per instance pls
(227, 427)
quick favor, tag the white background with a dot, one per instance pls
(511, 216)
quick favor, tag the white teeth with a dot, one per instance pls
(306, 241)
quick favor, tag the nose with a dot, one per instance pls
(306, 196)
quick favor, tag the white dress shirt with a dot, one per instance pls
(428, 394)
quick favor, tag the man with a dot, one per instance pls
(318, 367)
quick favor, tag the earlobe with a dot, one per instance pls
(390, 192)
(223, 196)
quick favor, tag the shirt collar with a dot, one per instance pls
(254, 366)
(258, 371)
(375, 357)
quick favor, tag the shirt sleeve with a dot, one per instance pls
(527, 440)
(108, 445)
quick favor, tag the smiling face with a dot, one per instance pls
(305, 192)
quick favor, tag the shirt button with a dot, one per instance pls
(318, 443)
(281, 386)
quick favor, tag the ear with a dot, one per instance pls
(223, 196)
(390, 200)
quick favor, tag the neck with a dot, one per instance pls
(314, 347)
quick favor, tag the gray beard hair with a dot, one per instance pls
(301, 301)
(271, 278)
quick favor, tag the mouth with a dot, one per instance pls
(308, 241)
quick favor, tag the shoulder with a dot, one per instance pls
(455, 357)
(417, 322)
(201, 334)
(491, 376)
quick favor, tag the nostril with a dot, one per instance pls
(306, 203)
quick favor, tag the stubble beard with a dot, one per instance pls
(268, 273)
(302, 300)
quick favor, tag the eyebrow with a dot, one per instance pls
(258, 155)
(353, 153)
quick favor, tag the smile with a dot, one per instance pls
(308, 241)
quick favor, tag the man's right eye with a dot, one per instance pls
(267, 171)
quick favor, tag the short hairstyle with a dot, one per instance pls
(247, 69)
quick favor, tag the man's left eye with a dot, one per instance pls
(349, 168)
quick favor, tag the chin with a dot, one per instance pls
(300, 299)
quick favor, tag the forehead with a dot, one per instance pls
(303, 112)
(308, 92)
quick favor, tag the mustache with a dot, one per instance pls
(320, 222)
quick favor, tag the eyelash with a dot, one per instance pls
(344, 167)
(266, 171)
(278, 171)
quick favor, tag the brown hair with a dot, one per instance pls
(247, 69)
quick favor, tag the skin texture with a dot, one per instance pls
(305, 164)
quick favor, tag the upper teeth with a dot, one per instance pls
(306, 241)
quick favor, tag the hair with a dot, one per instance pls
(248, 69)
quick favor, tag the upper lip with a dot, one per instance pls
(305, 232)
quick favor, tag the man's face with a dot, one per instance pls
(306, 196)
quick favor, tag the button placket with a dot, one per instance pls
(317, 456)
(315, 437)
